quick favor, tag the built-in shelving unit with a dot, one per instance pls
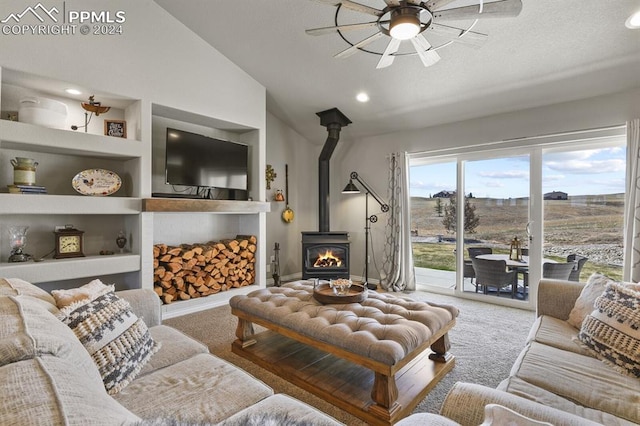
(67, 204)
(66, 269)
(63, 152)
(30, 138)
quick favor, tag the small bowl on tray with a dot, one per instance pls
(339, 291)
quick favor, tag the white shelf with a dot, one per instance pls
(28, 137)
(183, 307)
(66, 269)
(67, 204)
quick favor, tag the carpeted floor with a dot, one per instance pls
(485, 341)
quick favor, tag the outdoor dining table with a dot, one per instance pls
(521, 266)
(524, 263)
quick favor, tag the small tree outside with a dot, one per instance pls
(439, 208)
(471, 221)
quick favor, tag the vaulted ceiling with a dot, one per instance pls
(554, 51)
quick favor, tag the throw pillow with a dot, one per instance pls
(497, 415)
(90, 291)
(584, 304)
(118, 341)
(612, 330)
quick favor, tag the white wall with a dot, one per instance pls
(369, 156)
(285, 146)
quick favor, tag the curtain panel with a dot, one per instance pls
(632, 210)
(397, 268)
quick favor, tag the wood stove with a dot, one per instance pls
(325, 255)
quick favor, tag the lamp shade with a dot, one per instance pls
(351, 188)
(405, 24)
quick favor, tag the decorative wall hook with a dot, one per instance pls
(270, 175)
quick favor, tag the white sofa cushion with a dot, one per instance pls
(558, 333)
(497, 415)
(175, 346)
(584, 380)
(29, 330)
(281, 409)
(18, 287)
(53, 391)
(584, 304)
(203, 388)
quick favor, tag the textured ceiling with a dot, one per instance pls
(554, 51)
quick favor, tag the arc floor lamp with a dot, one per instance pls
(351, 188)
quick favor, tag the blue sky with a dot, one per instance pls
(587, 172)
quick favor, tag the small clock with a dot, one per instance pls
(68, 243)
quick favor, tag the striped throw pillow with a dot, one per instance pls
(612, 330)
(118, 341)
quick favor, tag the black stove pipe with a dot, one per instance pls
(333, 120)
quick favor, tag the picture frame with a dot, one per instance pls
(115, 128)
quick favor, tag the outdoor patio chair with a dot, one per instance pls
(468, 271)
(493, 273)
(578, 262)
(560, 271)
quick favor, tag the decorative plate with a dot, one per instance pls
(96, 182)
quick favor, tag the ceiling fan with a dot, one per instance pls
(411, 20)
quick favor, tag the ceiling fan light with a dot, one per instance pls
(405, 24)
(633, 22)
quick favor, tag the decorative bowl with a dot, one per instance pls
(340, 286)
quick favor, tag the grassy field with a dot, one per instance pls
(577, 224)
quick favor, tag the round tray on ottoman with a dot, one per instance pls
(323, 293)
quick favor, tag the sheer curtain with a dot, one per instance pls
(632, 212)
(397, 268)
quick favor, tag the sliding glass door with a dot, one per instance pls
(583, 192)
(434, 246)
(557, 198)
(496, 212)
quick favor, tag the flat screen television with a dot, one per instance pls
(197, 160)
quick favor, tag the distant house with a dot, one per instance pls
(556, 195)
(445, 194)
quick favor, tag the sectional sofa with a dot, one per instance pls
(48, 377)
(556, 379)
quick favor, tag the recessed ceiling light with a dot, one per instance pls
(633, 22)
(73, 91)
(362, 97)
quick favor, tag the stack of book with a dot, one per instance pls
(27, 189)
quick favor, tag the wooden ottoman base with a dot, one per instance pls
(341, 382)
(361, 382)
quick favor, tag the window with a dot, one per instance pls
(560, 195)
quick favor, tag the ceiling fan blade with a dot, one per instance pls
(361, 8)
(387, 56)
(392, 3)
(468, 38)
(415, 2)
(353, 49)
(422, 46)
(497, 9)
(353, 6)
(349, 27)
(437, 4)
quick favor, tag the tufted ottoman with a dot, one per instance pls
(376, 359)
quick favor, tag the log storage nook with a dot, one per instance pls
(197, 270)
